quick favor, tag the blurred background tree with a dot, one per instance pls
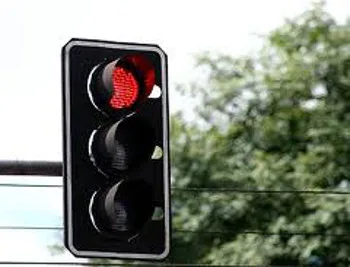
(278, 120)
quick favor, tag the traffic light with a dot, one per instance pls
(116, 152)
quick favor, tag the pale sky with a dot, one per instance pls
(32, 34)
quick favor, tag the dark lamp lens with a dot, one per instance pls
(123, 209)
(122, 146)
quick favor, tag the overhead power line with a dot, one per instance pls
(206, 190)
(187, 231)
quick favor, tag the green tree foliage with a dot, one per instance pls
(278, 120)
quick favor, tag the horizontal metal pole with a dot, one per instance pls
(39, 168)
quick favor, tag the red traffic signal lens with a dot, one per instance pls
(125, 88)
(121, 84)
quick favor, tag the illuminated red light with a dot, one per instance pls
(133, 83)
(122, 85)
(125, 88)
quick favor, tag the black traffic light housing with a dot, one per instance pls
(116, 151)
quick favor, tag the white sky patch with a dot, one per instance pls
(30, 206)
(33, 33)
(319, 90)
(29, 246)
(309, 104)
